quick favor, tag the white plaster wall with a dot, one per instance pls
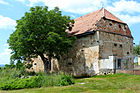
(107, 63)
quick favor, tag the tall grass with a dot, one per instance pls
(15, 79)
(7, 74)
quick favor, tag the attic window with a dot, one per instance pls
(115, 44)
(125, 27)
(110, 24)
(119, 26)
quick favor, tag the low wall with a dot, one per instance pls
(136, 72)
(125, 71)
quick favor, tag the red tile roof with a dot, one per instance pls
(87, 22)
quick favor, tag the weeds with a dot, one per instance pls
(12, 79)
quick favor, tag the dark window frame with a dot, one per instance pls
(119, 64)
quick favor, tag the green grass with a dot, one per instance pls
(117, 83)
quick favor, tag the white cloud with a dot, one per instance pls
(5, 56)
(129, 19)
(7, 23)
(128, 11)
(73, 16)
(74, 6)
(6, 45)
(5, 53)
(125, 6)
(22, 1)
(3, 2)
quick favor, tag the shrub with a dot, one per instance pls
(21, 83)
(66, 80)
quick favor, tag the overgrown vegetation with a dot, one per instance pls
(117, 83)
(15, 79)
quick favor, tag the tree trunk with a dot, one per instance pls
(45, 62)
(49, 63)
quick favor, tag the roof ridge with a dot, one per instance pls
(103, 12)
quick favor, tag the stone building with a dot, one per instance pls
(104, 45)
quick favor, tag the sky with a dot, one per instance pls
(12, 10)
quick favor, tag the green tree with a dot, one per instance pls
(136, 49)
(41, 32)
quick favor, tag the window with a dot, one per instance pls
(120, 45)
(115, 44)
(119, 26)
(110, 24)
(35, 64)
(69, 63)
(125, 27)
(127, 52)
(97, 41)
(119, 64)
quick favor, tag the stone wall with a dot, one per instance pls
(111, 44)
(83, 58)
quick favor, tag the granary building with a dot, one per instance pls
(104, 45)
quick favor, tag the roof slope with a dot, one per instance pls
(87, 22)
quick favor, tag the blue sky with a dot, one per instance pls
(12, 10)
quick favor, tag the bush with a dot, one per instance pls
(66, 80)
(22, 83)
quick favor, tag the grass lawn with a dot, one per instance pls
(117, 83)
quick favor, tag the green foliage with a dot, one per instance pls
(41, 31)
(136, 49)
(14, 79)
(57, 80)
(66, 80)
(21, 83)
(136, 63)
(117, 83)
(28, 66)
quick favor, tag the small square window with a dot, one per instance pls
(127, 52)
(69, 63)
(115, 44)
(125, 27)
(110, 24)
